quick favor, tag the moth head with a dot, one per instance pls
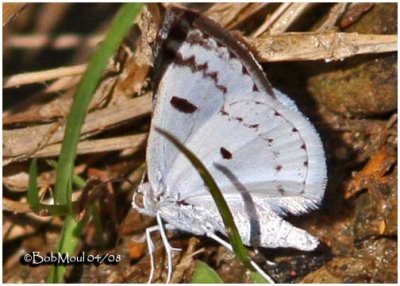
(142, 199)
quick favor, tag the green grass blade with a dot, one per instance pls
(76, 180)
(223, 208)
(205, 274)
(53, 210)
(33, 193)
(258, 278)
(70, 236)
(119, 28)
(63, 188)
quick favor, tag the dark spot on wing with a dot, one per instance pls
(281, 190)
(198, 38)
(182, 203)
(183, 105)
(303, 146)
(278, 168)
(253, 126)
(231, 55)
(225, 153)
(214, 76)
(222, 88)
(223, 112)
(255, 88)
(294, 130)
(203, 66)
(277, 113)
(244, 70)
(306, 163)
(191, 63)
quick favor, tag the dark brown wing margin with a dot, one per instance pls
(175, 27)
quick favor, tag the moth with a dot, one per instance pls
(265, 155)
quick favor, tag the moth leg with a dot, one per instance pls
(151, 248)
(270, 263)
(168, 247)
(228, 246)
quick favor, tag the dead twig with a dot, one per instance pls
(225, 13)
(15, 207)
(328, 46)
(288, 17)
(23, 224)
(10, 10)
(334, 15)
(37, 109)
(187, 261)
(96, 146)
(62, 84)
(60, 42)
(23, 142)
(246, 14)
(354, 13)
(272, 19)
(41, 76)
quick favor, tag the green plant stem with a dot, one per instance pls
(119, 28)
(70, 235)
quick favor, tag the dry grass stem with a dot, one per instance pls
(17, 229)
(50, 17)
(334, 14)
(60, 42)
(225, 13)
(16, 178)
(15, 207)
(186, 261)
(42, 76)
(289, 16)
(32, 109)
(271, 19)
(97, 146)
(353, 13)
(42, 108)
(246, 14)
(43, 45)
(232, 15)
(328, 46)
(24, 142)
(62, 84)
(10, 10)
